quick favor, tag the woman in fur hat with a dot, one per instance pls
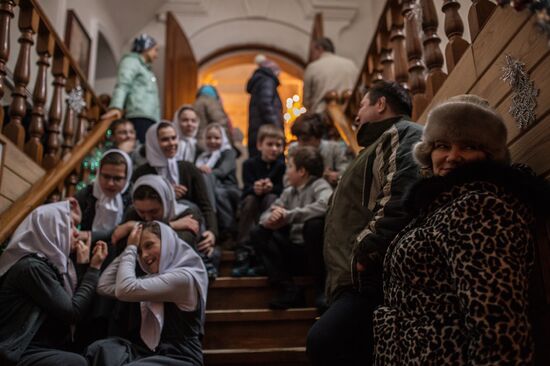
(456, 278)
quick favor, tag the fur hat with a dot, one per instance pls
(143, 42)
(465, 118)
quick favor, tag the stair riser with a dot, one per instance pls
(257, 334)
(247, 298)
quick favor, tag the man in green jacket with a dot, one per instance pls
(136, 89)
(363, 217)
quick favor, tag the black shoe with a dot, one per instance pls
(290, 297)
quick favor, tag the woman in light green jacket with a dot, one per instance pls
(136, 90)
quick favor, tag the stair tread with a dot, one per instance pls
(242, 356)
(228, 256)
(260, 314)
(262, 281)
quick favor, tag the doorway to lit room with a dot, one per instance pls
(229, 73)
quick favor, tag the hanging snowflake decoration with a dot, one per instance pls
(524, 93)
(75, 99)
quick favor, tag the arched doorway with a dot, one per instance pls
(106, 67)
(229, 72)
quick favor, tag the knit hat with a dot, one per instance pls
(466, 118)
(143, 42)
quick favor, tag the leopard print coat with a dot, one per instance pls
(456, 278)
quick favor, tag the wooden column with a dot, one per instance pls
(70, 118)
(397, 38)
(70, 184)
(454, 28)
(6, 13)
(60, 71)
(44, 48)
(432, 53)
(478, 14)
(28, 24)
(375, 68)
(417, 85)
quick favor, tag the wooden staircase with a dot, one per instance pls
(241, 330)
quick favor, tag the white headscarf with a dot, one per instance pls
(46, 231)
(211, 157)
(109, 210)
(168, 168)
(175, 254)
(171, 208)
(188, 144)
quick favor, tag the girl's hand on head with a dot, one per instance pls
(99, 254)
(122, 231)
(180, 190)
(82, 252)
(135, 235)
(205, 169)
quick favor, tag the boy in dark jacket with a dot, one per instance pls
(263, 183)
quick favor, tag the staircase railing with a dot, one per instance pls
(406, 48)
(60, 139)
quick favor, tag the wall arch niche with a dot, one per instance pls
(105, 67)
(229, 70)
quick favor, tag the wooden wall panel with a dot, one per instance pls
(503, 25)
(528, 46)
(4, 203)
(19, 173)
(533, 148)
(13, 186)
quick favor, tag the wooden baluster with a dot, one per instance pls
(386, 58)
(397, 38)
(93, 114)
(432, 53)
(454, 28)
(71, 182)
(81, 126)
(60, 71)
(417, 84)
(376, 74)
(478, 14)
(70, 118)
(88, 112)
(44, 48)
(28, 25)
(6, 13)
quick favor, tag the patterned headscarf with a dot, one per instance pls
(143, 42)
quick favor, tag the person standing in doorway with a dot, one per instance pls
(265, 104)
(136, 89)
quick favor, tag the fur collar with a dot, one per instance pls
(518, 180)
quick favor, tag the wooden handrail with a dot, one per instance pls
(40, 190)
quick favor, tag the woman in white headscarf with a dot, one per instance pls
(163, 299)
(218, 163)
(104, 201)
(155, 200)
(40, 298)
(186, 123)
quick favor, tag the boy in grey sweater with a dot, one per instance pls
(289, 238)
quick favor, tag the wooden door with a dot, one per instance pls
(180, 69)
(316, 31)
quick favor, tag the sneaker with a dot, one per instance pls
(256, 271)
(240, 271)
(290, 297)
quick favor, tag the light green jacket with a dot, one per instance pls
(136, 89)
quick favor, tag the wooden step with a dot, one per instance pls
(257, 328)
(286, 356)
(227, 261)
(249, 292)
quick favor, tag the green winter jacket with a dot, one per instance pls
(365, 210)
(136, 89)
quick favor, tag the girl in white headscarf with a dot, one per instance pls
(218, 164)
(40, 299)
(162, 149)
(186, 122)
(167, 294)
(154, 200)
(104, 201)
